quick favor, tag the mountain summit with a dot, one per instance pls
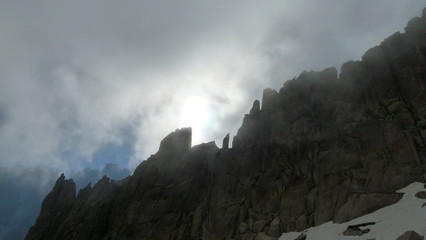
(325, 147)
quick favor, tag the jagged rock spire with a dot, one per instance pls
(225, 144)
(256, 107)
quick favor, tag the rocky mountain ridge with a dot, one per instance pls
(324, 147)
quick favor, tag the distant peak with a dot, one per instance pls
(225, 144)
(61, 178)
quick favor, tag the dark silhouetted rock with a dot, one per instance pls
(357, 230)
(225, 144)
(176, 142)
(301, 237)
(256, 107)
(421, 194)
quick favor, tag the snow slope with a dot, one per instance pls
(391, 221)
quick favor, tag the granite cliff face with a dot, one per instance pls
(324, 147)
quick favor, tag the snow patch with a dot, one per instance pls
(391, 221)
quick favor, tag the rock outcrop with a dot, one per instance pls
(323, 144)
(358, 229)
(421, 194)
(225, 143)
(410, 235)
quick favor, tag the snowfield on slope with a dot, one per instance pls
(391, 221)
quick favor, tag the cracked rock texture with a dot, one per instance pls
(324, 147)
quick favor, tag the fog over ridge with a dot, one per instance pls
(77, 76)
(87, 83)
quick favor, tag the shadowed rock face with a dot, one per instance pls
(324, 147)
(177, 142)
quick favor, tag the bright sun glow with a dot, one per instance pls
(196, 114)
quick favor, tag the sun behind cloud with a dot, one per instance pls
(196, 113)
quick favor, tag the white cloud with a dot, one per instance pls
(74, 74)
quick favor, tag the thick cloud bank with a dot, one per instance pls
(79, 77)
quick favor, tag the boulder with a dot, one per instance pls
(410, 235)
(358, 229)
(355, 232)
(421, 194)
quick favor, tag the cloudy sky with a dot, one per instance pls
(84, 83)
